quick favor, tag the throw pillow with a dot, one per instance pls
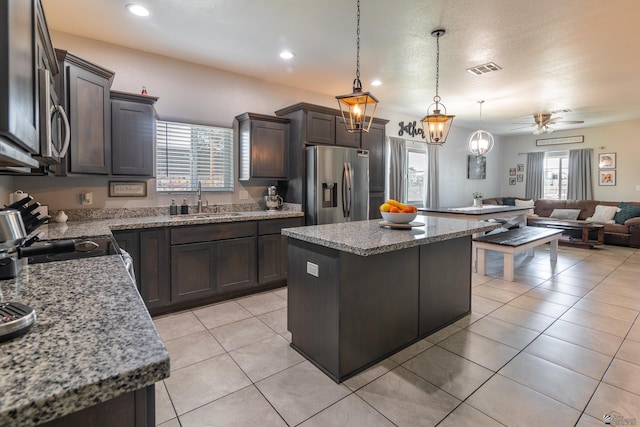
(526, 203)
(571, 214)
(509, 201)
(604, 214)
(627, 210)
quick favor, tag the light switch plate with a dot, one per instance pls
(312, 269)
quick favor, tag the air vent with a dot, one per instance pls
(484, 68)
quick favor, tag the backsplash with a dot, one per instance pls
(109, 213)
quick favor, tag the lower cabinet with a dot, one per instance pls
(184, 266)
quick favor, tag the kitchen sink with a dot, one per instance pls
(204, 215)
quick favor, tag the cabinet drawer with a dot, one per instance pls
(273, 226)
(210, 232)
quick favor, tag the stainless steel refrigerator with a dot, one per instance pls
(337, 185)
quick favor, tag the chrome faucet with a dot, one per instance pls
(199, 193)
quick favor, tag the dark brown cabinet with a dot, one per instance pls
(133, 134)
(193, 272)
(235, 264)
(272, 249)
(149, 249)
(19, 127)
(84, 91)
(314, 124)
(263, 143)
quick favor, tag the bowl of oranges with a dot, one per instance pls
(398, 213)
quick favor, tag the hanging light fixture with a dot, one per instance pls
(481, 141)
(435, 125)
(353, 107)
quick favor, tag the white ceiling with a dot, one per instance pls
(583, 55)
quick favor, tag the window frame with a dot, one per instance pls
(419, 148)
(186, 152)
(563, 166)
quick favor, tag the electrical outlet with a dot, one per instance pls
(313, 269)
(86, 198)
(244, 194)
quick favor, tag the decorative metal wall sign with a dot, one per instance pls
(564, 140)
(411, 129)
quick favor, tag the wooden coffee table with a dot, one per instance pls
(585, 227)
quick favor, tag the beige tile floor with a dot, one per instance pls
(559, 346)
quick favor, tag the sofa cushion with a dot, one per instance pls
(509, 201)
(627, 211)
(544, 207)
(526, 203)
(587, 207)
(571, 214)
(616, 228)
(604, 214)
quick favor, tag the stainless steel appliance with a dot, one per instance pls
(337, 185)
(54, 124)
(272, 200)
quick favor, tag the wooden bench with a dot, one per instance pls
(512, 242)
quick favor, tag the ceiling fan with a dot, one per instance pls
(543, 120)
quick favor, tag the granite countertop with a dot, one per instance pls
(369, 238)
(93, 338)
(92, 341)
(104, 227)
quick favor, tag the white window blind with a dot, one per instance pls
(188, 153)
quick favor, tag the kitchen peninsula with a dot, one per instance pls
(359, 292)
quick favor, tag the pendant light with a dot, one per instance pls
(435, 125)
(480, 142)
(354, 106)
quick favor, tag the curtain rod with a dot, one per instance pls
(550, 152)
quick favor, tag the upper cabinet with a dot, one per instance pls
(263, 143)
(84, 92)
(133, 134)
(19, 128)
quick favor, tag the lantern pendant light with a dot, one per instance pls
(357, 108)
(480, 142)
(436, 125)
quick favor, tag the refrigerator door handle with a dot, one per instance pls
(346, 190)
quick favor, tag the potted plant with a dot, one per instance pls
(477, 199)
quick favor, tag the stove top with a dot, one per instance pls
(85, 248)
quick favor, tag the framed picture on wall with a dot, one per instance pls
(606, 177)
(512, 181)
(476, 167)
(520, 177)
(520, 167)
(607, 160)
(512, 171)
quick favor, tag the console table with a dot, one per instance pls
(584, 227)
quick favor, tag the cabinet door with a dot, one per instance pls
(374, 142)
(269, 150)
(153, 279)
(235, 264)
(132, 138)
(18, 102)
(193, 272)
(321, 128)
(345, 138)
(90, 119)
(272, 258)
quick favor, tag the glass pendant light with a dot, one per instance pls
(435, 125)
(480, 142)
(355, 106)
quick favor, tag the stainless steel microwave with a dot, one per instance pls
(54, 123)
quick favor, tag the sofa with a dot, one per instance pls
(621, 234)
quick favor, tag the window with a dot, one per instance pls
(416, 171)
(556, 172)
(188, 153)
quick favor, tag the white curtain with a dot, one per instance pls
(431, 196)
(579, 184)
(534, 188)
(397, 168)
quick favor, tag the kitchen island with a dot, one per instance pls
(359, 292)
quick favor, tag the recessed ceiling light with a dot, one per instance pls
(376, 83)
(137, 9)
(286, 54)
